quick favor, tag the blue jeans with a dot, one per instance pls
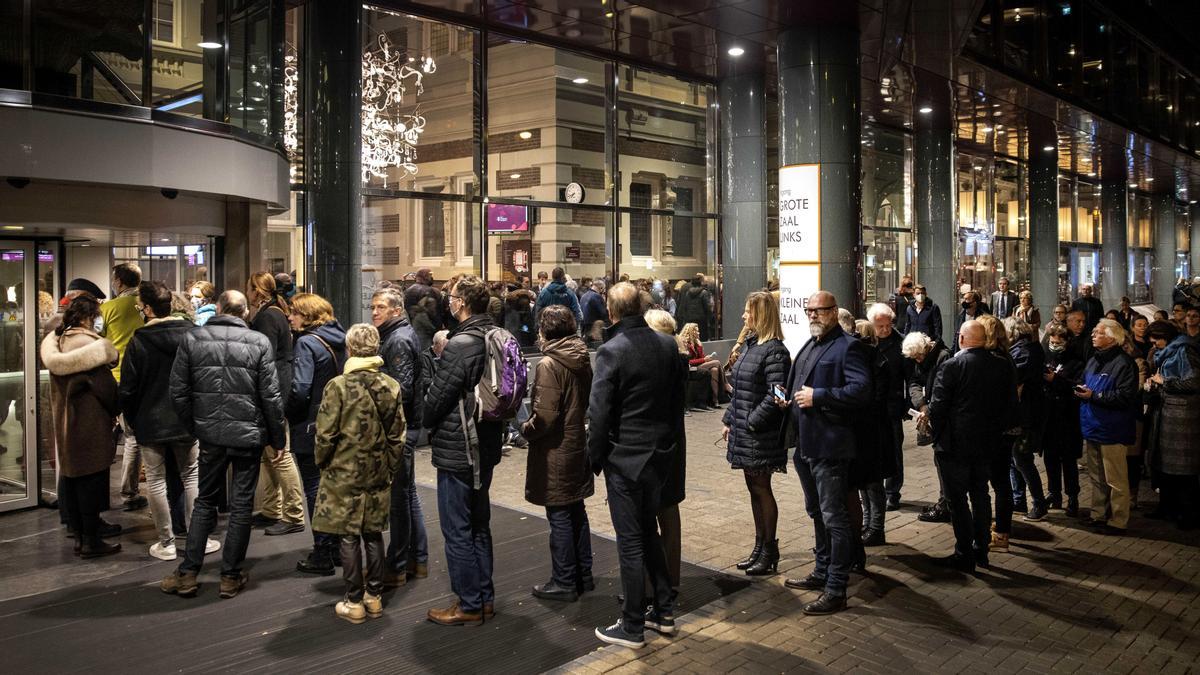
(874, 501)
(214, 463)
(407, 541)
(465, 515)
(310, 477)
(1024, 472)
(892, 485)
(826, 483)
(570, 544)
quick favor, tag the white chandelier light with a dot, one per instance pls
(388, 137)
(291, 89)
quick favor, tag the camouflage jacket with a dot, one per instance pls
(360, 435)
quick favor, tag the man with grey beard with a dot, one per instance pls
(830, 383)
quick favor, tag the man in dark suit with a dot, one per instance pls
(829, 382)
(636, 412)
(967, 393)
(1004, 301)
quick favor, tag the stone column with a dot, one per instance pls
(1114, 219)
(332, 152)
(1163, 275)
(819, 89)
(1194, 239)
(1043, 212)
(743, 195)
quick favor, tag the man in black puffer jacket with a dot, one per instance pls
(464, 452)
(695, 305)
(226, 393)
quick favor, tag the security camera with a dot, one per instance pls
(18, 182)
(170, 194)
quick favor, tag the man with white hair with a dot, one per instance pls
(889, 341)
(1108, 420)
(926, 356)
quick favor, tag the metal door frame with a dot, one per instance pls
(33, 466)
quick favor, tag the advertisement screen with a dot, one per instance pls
(505, 218)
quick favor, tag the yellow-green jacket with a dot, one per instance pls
(121, 318)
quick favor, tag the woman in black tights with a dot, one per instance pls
(757, 372)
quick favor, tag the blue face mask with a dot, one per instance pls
(98, 325)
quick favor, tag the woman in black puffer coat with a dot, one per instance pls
(752, 422)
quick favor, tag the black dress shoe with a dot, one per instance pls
(108, 530)
(259, 520)
(958, 561)
(826, 604)
(315, 563)
(811, 582)
(98, 548)
(586, 583)
(873, 538)
(552, 591)
(893, 504)
(938, 513)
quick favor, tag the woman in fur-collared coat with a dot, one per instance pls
(83, 398)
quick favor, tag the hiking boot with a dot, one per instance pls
(394, 578)
(617, 635)
(373, 604)
(999, 543)
(179, 583)
(231, 586)
(354, 612)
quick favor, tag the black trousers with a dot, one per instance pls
(1061, 472)
(970, 506)
(215, 461)
(83, 499)
(633, 505)
(998, 476)
(352, 564)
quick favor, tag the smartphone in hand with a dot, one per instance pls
(779, 392)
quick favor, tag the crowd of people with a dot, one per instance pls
(267, 386)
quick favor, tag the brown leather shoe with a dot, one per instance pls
(418, 570)
(489, 611)
(178, 583)
(454, 616)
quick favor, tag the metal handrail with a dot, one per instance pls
(113, 79)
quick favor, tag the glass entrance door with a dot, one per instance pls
(19, 475)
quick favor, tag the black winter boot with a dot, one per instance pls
(758, 547)
(768, 560)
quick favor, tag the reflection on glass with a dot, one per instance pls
(80, 55)
(178, 58)
(47, 317)
(250, 66)
(12, 45)
(13, 473)
(887, 224)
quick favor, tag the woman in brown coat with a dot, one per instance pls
(557, 472)
(83, 397)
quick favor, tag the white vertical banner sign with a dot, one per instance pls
(799, 248)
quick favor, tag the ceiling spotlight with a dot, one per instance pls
(924, 110)
(608, 15)
(1192, 201)
(580, 80)
(736, 51)
(209, 45)
(164, 239)
(525, 135)
(1150, 179)
(1091, 174)
(1048, 148)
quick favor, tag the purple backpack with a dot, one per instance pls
(505, 377)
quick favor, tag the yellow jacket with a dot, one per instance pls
(121, 318)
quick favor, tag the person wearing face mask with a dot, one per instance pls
(900, 302)
(204, 299)
(119, 318)
(923, 315)
(972, 308)
(1062, 443)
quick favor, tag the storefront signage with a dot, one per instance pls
(799, 248)
(572, 253)
(517, 254)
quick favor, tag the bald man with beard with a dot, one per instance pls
(967, 392)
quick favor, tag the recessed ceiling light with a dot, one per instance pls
(14, 227)
(580, 80)
(514, 176)
(85, 245)
(736, 51)
(1091, 173)
(995, 105)
(1192, 201)
(1048, 148)
(164, 239)
(608, 15)
(525, 135)
(925, 110)
(979, 168)
(209, 45)
(1133, 185)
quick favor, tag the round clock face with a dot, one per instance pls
(573, 193)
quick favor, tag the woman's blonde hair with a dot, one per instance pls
(865, 330)
(312, 308)
(662, 321)
(362, 340)
(995, 336)
(763, 309)
(207, 290)
(689, 334)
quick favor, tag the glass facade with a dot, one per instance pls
(993, 238)
(887, 234)
(492, 155)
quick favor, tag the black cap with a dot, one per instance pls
(86, 286)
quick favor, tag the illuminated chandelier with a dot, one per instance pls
(291, 90)
(388, 137)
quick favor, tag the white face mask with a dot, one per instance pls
(197, 302)
(920, 297)
(98, 324)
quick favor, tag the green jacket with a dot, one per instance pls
(360, 437)
(121, 318)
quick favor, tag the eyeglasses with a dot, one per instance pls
(813, 311)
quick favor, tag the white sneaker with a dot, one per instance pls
(212, 546)
(163, 552)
